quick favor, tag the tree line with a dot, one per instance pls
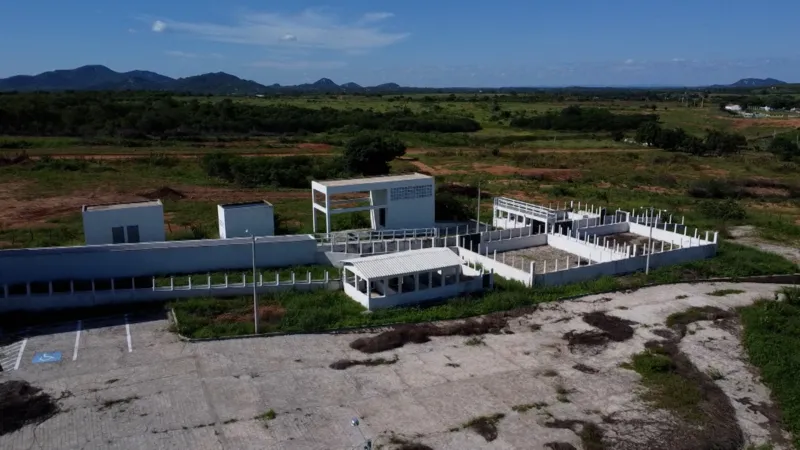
(576, 118)
(715, 143)
(367, 154)
(141, 116)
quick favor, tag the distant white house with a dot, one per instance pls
(733, 108)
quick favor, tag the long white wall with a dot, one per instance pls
(146, 259)
(688, 238)
(596, 253)
(67, 300)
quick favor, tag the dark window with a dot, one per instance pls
(118, 235)
(133, 233)
(382, 217)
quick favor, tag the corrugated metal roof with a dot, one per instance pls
(396, 264)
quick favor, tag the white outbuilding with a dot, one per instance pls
(124, 223)
(245, 219)
(410, 277)
(395, 202)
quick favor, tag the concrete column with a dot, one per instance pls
(430, 279)
(458, 275)
(72, 286)
(326, 277)
(313, 212)
(662, 246)
(277, 278)
(399, 285)
(634, 250)
(533, 270)
(292, 277)
(327, 213)
(309, 277)
(544, 266)
(171, 284)
(556, 269)
(244, 280)
(260, 278)
(567, 262)
(226, 279)
(715, 236)
(706, 236)
(416, 281)
(190, 281)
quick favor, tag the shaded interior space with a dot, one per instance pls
(545, 257)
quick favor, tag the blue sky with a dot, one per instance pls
(413, 42)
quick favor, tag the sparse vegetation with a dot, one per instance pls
(772, 342)
(267, 415)
(679, 321)
(344, 364)
(486, 426)
(724, 292)
(525, 407)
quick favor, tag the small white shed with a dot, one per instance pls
(244, 219)
(124, 223)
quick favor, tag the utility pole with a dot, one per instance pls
(255, 295)
(478, 225)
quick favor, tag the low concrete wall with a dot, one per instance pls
(507, 245)
(604, 230)
(67, 300)
(497, 267)
(668, 235)
(415, 297)
(590, 252)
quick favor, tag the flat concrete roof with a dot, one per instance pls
(121, 205)
(404, 263)
(373, 180)
(245, 204)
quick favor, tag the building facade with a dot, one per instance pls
(125, 223)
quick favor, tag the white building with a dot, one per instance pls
(395, 202)
(410, 277)
(124, 223)
(243, 219)
(733, 108)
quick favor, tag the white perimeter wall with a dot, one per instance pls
(135, 260)
(596, 253)
(97, 224)
(684, 240)
(497, 267)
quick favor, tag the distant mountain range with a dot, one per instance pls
(101, 78)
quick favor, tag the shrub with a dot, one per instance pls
(723, 210)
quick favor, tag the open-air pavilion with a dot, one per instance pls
(414, 276)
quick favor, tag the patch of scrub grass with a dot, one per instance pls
(267, 415)
(715, 374)
(724, 292)
(772, 340)
(525, 407)
(681, 320)
(666, 388)
(475, 341)
(486, 426)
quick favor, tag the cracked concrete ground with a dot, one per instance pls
(167, 394)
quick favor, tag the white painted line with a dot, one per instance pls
(21, 351)
(128, 332)
(77, 340)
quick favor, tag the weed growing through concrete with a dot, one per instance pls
(22, 404)
(108, 404)
(724, 292)
(680, 320)
(485, 426)
(475, 341)
(715, 374)
(405, 444)
(681, 297)
(559, 446)
(549, 373)
(344, 364)
(584, 368)
(528, 406)
(266, 416)
(592, 437)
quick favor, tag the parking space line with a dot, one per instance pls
(77, 340)
(128, 332)
(19, 355)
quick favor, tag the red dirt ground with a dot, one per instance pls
(16, 210)
(778, 123)
(549, 174)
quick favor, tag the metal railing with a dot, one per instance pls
(529, 209)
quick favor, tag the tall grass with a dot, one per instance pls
(772, 340)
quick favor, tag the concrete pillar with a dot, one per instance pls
(327, 213)
(277, 279)
(416, 281)
(226, 279)
(634, 250)
(504, 258)
(544, 266)
(494, 255)
(309, 277)
(327, 277)
(400, 285)
(72, 287)
(556, 269)
(190, 281)
(293, 282)
(715, 236)
(662, 246)
(706, 236)
(533, 269)
(171, 284)
(313, 213)
(260, 278)
(93, 289)
(695, 233)
(244, 279)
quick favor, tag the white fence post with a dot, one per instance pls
(72, 290)
(293, 280)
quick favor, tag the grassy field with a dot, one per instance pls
(42, 197)
(772, 339)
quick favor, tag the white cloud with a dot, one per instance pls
(376, 17)
(159, 26)
(131, 30)
(677, 60)
(310, 29)
(190, 55)
(629, 61)
(298, 65)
